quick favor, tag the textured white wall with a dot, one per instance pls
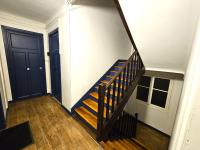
(187, 130)
(98, 39)
(163, 31)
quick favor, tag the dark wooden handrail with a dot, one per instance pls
(122, 85)
(118, 6)
(120, 70)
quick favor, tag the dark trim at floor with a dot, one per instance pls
(24, 99)
(154, 129)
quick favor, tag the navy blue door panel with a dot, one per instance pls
(20, 76)
(25, 58)
(55, 64)
(36, 74)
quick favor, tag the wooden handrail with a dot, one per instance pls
(128, 76)
(120, 70)
(118, 6)
(122, 85)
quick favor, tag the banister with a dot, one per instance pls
(129, 77)
(126, 26)
(121, 69)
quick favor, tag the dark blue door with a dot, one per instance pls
(55, 64)
(25, 58)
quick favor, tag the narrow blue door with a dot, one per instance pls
(25, 58)
(55, 65)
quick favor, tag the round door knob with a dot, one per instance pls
(28, 69)
(41, 68)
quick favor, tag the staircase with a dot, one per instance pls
(105, 101)
(101, 107)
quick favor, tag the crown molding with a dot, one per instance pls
(11, 18)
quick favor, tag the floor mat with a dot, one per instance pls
(16, 137)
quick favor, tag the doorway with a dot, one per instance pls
(25, 59)
(55, 65)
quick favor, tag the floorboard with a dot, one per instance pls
(54, 129)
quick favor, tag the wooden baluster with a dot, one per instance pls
(113, 97)
(123, 82)
(134, 68)
(108, 103)
(119, 88)
(127, 77)
(131, 72)
(101, 94)
(136, 63)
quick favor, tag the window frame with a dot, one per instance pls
(151, 88)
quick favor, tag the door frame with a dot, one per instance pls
(49, 34)
(6, 44)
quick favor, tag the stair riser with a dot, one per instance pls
(86, 123)
(93, 98)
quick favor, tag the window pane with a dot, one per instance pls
(142, 93)
(161, 84)
(145, 81)
(159, 98)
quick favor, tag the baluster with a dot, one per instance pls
(131, 72)
(135, 58)
(127, 77)
(113, 97)
(108, 104)
(134, 67)
(101, 94)
(136, 63)
(123, 82)
(119, 88)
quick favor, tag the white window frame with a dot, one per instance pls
(148, 103)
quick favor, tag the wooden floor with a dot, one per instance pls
(55, 129)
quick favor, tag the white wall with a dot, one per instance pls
(25, 24)
(163, 31)
(98, 39)
(187, 130)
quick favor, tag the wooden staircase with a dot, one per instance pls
(101, 107)
(104, 103)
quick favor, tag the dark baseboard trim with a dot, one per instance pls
(154, 129)
(24, 99)
(163, 74)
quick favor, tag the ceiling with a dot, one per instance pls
(38, 10)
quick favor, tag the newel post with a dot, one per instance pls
(101, 96)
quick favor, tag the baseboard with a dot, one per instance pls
(154, 129)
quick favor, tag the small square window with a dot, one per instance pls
(159, 98)
(145, 81)
(161, 84)
(142, 93)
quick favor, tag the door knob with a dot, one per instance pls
(41, 68)
(28, 69)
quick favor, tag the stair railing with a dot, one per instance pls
(116, 94)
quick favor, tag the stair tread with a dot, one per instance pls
(109, 76)
(87, 116)
(111, 91)
(93, 105)
(106, 82)
(95, 95)
(115, 71)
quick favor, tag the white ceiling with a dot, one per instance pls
(38, 10)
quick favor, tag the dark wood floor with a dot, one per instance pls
(54, 129)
